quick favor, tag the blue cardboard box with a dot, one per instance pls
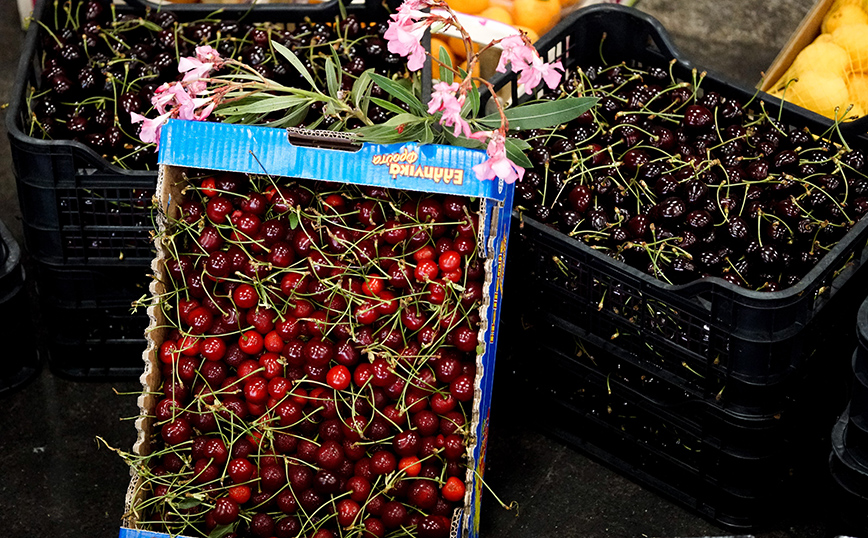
(427, 168)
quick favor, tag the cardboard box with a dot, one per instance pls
(803, 36)
(259, 150)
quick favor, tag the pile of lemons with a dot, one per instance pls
(831, 74)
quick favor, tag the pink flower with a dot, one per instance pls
(404, 36)
(150, 127)
(193, 68)
(207, 54)
(537, 71)
(515, 51)
(443, 99)
(498, 164)
(162, 97)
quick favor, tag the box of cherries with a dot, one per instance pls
(322, 338)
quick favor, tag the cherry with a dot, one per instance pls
(225, 511)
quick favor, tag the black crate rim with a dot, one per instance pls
(776, 298)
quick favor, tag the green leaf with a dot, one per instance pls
(221, 530)
(427, 134)
(189, 502)
(445, 65)
(515, 154)
(292, 118)
(398, 91)
(360, 87)
(388, 105)
(262, 106)
(293, 220)
(343, 10)
(331, 72)
(542, 115)
(293, 59)
(472, 102)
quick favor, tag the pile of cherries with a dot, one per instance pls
(684, 183)
(319, 362)
(98, 67)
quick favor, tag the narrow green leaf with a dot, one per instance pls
(388, 105)
(427, 134)
(293, 59)
(473, 100)
(292, 118)
(446, 74)
(262, 106)
(399, 92)
(331, 72)
(515, 154)
(293, 220)
(221, 530)
(542, 115)
(360, 87)
(342, 9)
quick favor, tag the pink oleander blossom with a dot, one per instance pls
(150, 127)
(444, 99)
(536, 71)
(404, 36)
(515, 51)
(207, 54)
(498, 164)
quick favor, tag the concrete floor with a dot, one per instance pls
(57, 481)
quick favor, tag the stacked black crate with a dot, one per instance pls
(848, 460)
(717, 396)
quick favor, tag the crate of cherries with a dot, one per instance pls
(86, 171)
(322, 339)
(703, 218)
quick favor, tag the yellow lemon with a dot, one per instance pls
(844, 15)
(839, 3)
(471, 7)
(538, 15)
(820, 92)
(497, 13)
(821, 56)
(857, 84)
(854, 39)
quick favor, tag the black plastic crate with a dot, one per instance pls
(715, 327)
(77, 207)
(734, 484)
(850, 478)
(94, 342)
(20, 357)
(87, 316)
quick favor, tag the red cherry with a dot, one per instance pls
(453, 490)
(339, 377)
(208, 187)
(245, 296)
(449, 261)
(251, 342)
(225, 511)
(462, 388)
(213, 349)
(373, 286)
